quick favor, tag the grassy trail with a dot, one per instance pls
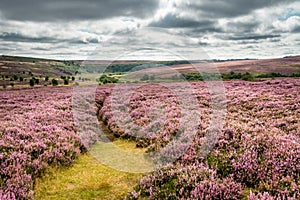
(86, 179)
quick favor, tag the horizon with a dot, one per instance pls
(212, 59)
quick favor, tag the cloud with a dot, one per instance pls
(175, 21)
(253, 37)
(17, 37)
(74, 29)
(228, 8)
(61, 10)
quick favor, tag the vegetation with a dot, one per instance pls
(232, 76)
(105, 79)
(85, 179)
(66, 81)
(54, 82)
(31, 82)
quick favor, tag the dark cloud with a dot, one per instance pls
(253, 37)
(296, 29)
(240, 26)
(41, 49)
(62, 10)
(17, 37)
(173, 21)
(229, 8)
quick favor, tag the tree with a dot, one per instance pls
(15, 77)
(73, 78)
(66, 81)
(31, 82)
(21, 79)
(145, 77)
(54, 82)
(152, 78)
(247, 77)
(46, 78)
(12, 84)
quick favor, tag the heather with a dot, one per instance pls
(36, 131)
(258, 149)
(256, 155)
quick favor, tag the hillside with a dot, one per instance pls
(285, 65)
(19, 70)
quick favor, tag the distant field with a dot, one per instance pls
(17, 71)
(287, 65)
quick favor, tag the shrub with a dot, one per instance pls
(145, 77)
(31, 82)
(247, 77)
(15, 77)
(54, 82)
(66, 81)
(186, 182)
(37, 81)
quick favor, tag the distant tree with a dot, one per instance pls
(73, 78)
(174, 77)
(46, 78)
(15, 77)
(54, 82)
(31, 82)
(4, 86)
(37, 81)
(12, 85)
(152, 78)
(145, 77)
(21, 79)
(66, 81)
(247, 77)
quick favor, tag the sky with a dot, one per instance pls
(150, 29)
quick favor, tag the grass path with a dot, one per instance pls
(86, 179)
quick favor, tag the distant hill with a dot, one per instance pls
(18, 71)
(14, 68)
(285, 65)
(10, 65)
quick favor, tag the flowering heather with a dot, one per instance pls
(257, 156)
(259, 148)
(36, 130)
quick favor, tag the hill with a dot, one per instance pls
(19, 70)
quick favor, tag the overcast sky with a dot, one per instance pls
(150, 29)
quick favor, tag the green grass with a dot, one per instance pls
(87, 179)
